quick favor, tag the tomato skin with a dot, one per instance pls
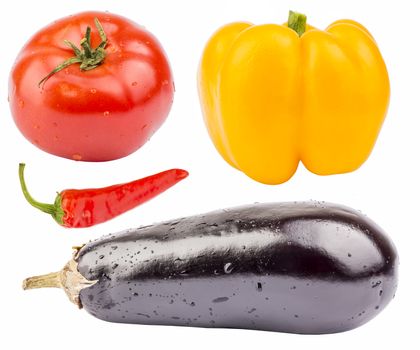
(98, 115)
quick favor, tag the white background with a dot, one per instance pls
(386, 188)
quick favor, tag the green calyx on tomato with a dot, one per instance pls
(87, 57)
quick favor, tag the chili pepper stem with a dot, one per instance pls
(69, 279)
(297, 22)
(54, 210)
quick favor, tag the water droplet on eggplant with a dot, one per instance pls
(227, 268)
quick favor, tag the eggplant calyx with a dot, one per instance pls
(68, 279)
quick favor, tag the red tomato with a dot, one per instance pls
(100, 114)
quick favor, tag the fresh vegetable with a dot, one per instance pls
(88, 207)
(275, 95)
(300, 268)
(97, 101)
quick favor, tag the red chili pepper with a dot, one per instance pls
(88, 207)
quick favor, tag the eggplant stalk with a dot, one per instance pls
(68, 279)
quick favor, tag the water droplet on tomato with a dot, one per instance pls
(37, 127)
(55, 124)
(56, 138)
(77, 156)
(165, 82)
(21, 103)
(106, 113)
(93, 91)
(134, 83)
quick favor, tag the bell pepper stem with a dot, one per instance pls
(297, 22)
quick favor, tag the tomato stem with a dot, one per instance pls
(86, 56)
(297, 22)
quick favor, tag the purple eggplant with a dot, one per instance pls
(306, 267)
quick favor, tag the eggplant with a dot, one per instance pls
(306, 267)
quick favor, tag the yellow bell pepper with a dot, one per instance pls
(274, 95)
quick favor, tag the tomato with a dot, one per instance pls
(99, 114)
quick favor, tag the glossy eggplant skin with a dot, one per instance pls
(305, 267)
